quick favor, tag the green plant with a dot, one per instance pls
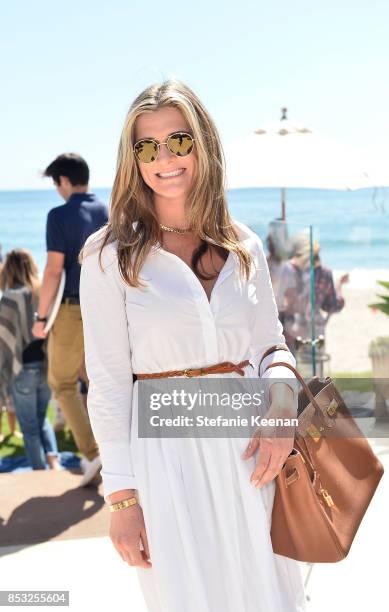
(383, 306)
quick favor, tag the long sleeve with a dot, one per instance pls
(268, 329)
(108, 365)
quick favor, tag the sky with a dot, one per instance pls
(70, 70)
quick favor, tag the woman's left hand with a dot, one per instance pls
(273, 449)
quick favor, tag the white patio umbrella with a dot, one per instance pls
(286, 154)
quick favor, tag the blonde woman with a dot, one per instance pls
(173, 283)
(23, 359)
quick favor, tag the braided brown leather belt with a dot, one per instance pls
(219, 368)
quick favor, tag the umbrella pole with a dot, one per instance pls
(283, 198)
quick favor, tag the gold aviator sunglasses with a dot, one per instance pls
(181, 144)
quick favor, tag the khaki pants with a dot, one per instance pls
(65, 359)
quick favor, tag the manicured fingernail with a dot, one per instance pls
(255, 482)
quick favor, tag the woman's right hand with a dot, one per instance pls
(127, 531)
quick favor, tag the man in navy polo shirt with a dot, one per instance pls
(68, 226)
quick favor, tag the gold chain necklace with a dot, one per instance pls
(176, 230)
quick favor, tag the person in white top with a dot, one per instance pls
(173, 283)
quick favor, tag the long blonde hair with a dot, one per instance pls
(19, 268)
(132, 218)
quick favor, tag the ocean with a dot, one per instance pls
(352, 227)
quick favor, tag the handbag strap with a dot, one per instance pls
(301, 381)
(284, 347)
(272, 349)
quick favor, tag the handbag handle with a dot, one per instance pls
(272, 349)
(284, 347)
(302, 382)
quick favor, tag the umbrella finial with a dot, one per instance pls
(284, 112)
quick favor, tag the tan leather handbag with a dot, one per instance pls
(328, 480)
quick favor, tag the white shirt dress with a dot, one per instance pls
(208, 528)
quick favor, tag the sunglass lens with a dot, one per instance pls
(180, 144)
(146, 151)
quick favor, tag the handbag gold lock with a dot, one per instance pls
(314, 432)
(327, 498)
(332, 408)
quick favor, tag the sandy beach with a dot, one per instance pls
(350, 331)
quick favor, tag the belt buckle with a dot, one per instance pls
(187, 371)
